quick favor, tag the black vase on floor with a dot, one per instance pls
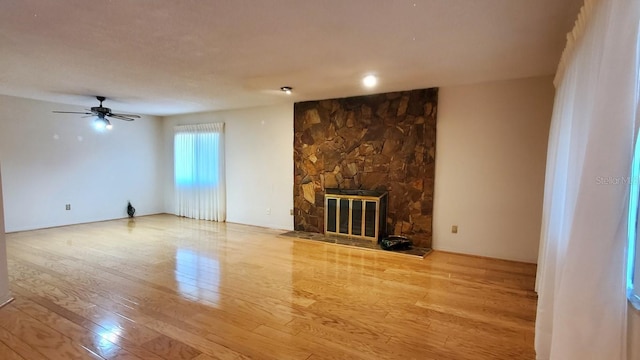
(130, 210)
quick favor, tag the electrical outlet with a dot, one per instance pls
(67, 207)
(290, 211)
(454, 229)
(268, 211)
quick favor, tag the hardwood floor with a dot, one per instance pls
(163, 287)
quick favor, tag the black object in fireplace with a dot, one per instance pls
(396, 242)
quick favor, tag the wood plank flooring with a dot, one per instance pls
(163, 287)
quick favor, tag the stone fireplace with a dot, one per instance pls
(383, 142)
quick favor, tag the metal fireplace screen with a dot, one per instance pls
(357, 213)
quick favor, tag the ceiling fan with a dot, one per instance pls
(102, 114)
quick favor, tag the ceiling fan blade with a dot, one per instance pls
(125, 115)
(120, 117)
(102, 112)
(72, 112)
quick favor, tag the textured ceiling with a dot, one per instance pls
(163, 57)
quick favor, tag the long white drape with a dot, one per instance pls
(5, 294)
(199, 171)
(581, 268)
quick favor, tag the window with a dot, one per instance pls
(633, 256)
(199, 171)
(196, 159)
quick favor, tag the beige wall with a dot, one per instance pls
(259, 163)
(490, 166)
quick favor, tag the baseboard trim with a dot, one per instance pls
(6, 302)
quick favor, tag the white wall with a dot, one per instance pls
(49, 160)
(490, 166)
(5, 295)
(259, 163)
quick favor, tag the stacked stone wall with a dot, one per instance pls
(384, 142)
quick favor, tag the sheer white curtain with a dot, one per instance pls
(199, 171)
(581, 268)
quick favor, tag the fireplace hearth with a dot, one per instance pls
(351, 242)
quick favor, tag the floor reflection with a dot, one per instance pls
(109, 337)
(131, 224)
(197, 276)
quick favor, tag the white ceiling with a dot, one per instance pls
(163, 57)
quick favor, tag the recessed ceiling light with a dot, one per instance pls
(370, 80)
(287, 89)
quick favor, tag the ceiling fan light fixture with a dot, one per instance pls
(102, 123)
